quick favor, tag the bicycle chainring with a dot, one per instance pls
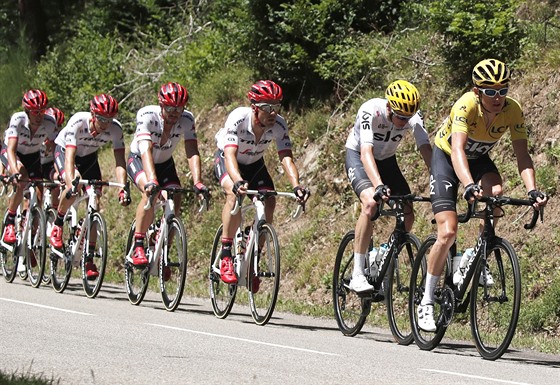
(447, 307)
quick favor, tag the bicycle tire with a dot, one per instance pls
(397, 290)
(61, 267)
(350, 310)
(426, 340)
(99, 258)
(264, 282)
(222, 295)
(173, 265)
(494, 309)
(8, 258)
(35, 255)
(50, 217)
(136, 278)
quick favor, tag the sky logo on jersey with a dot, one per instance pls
(381, 137)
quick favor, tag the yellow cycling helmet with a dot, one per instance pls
(490, 72)
(403, 97)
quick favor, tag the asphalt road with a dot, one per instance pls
(76, 340)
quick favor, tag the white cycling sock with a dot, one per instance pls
(431, 283)
(359, 263)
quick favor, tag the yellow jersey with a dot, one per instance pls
(466, 116)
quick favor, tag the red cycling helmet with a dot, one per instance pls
(35, 100)
(104, 105)
(173, 94)
(57, 114)
(265, 90)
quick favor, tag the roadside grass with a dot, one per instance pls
(26, 378)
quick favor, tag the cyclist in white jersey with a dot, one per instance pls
(371, 163)
(159, 129)
(239, 163)
(20, 153)
(76, 155)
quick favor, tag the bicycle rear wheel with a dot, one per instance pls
(397, 290)
(35, 254)
(136, 278)
(97, 232)
(173, 270)
(263, 276)
(222, 295)
(50, 216)
(427, 340)
(61, 266)
(350, 310)
(8, 256)
(495, 307)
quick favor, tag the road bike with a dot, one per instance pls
(50, 216)
(29, 250)
(390, 282)
(494, 308)
(256, 263)
(85, 239)
(166, 251)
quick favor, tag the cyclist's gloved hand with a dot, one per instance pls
(151, 186)
(201, 189)
(538, 197)
(15, 177)
(124, 198)
(237, 185)
(302, 193)
(381, 191)
(472, 190)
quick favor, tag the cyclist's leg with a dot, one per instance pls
(392, 176)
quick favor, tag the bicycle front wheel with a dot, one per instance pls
(173, 265)
(61, 266)
(495, 300)
(350, 310)
(222, 295)
(263, 277)
(428, 340)
(8, 256)
(397, 290)
(95, 252)
(136, 278)
(36, 252)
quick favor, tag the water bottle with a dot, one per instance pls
(457, 261)
(240, 243)
(460, 272)
(372, 262)
(383, 249)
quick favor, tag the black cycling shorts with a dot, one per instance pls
(31, 162)
(255, 173)
(87, 166)
(166, 172)
(389, 171)
(444, 182)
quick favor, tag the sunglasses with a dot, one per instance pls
(269, 108)
(36, 112)
(492, 92)
(402, 117)
(173, 109)
(103, 119)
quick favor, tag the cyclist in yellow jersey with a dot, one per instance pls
(476, 123)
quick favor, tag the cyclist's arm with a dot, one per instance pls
(370, 166)
(69, 165)
(193, 156)
(426, 152)
(147, 159)
(524, 163)
(11, 149)
(287, 160)
(459, 158)
(232, 167)
(120, 163)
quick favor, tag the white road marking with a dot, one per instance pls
(44, 306)
(477, 377)
(245, 340)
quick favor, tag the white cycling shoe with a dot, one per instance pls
(359, 284)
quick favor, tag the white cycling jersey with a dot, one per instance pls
(149, 126)
(27, 143)
(373, 127)
(77, 134)
(238, 132)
